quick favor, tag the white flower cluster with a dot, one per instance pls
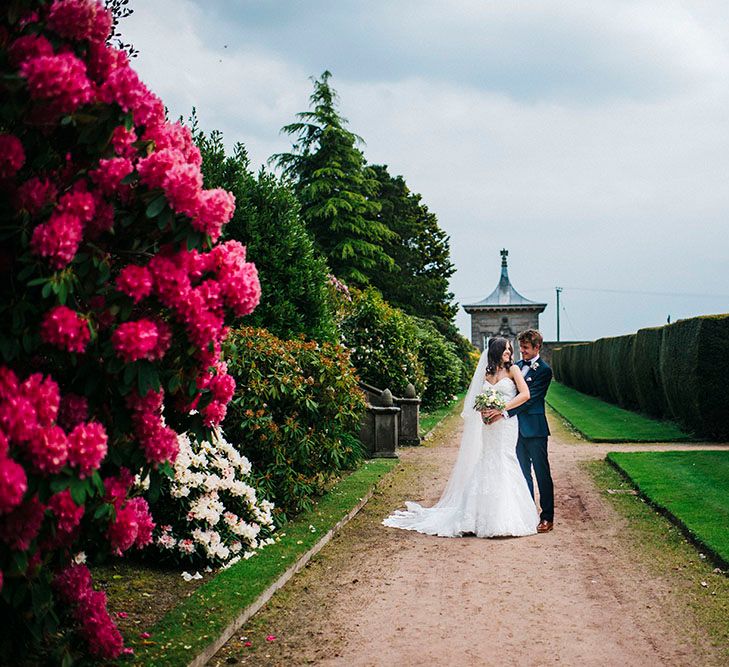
(207, 476)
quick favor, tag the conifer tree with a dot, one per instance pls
(418, 283)
(336, 189)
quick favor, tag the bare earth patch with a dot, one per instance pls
(580, 595)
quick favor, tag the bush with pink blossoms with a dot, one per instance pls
(115, 301)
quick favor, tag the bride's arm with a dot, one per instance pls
(521, 385)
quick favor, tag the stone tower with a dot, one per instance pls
(504, 312)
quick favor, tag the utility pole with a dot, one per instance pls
(559, 291)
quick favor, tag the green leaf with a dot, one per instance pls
(46, 291)
(79, 490)
(156, 206)
(148, 378)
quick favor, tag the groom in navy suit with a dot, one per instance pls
(531, 447)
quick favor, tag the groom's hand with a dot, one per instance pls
(491, 415)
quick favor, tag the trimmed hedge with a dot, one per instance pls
(659, 371)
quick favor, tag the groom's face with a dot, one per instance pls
(528, 351)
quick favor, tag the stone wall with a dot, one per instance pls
(500, 323)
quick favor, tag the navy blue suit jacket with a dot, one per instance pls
(532, 418)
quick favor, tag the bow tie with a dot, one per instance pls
(525, 363)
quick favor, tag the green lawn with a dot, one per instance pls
(692, 487)
(429, 420)
(599, 421)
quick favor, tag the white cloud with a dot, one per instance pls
(590, 139)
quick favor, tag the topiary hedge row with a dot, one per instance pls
(663, 371)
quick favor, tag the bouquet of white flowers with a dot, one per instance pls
(489, 400)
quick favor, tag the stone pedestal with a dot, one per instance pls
(379, 431)
(409, 420)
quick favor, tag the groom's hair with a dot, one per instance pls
(531, 336)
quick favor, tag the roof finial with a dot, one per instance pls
(504, 255)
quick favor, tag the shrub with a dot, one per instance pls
(113, 296)
(383, 342)
(645, 361)
(294, 294)
(441, 366)
(208, 514)
(622, 371)
(296, 415)
(695, 388)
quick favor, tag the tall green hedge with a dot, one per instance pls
(645, 361)
(664, 371)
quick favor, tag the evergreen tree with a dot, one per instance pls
(336, 189)
(418, 283)
(293, 275)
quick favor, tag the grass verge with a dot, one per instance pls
(200, 618)
(665, 551)
(599, 421)
(692, 488)
(429, 420)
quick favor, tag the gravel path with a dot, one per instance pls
(382, 596)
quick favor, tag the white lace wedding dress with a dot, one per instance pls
(487, 494)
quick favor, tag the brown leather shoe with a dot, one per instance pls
(545, 526)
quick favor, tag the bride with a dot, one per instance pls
(487, 493)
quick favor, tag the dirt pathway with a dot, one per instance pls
(381, 596)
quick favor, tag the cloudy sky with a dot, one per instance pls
(591, 139)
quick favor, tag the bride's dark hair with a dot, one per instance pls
(497, 345)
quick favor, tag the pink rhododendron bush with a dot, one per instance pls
(208, 513)
(114, 296)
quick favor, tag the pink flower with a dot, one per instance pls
(238, 278)
(122, 614)
(87, 447)
(73, 410)
(12, 155)
(182, 185)
(13, 484)
(58, 239)
(158, 441)
(135, 282)
(8, 383)
(214, 413)
(145, 523)
(110, 172)
(144, 635)
(65, 329)
(177, 136)
(48, 450)
(68, 513)
(4, 445)
(18, 418)
(29, 46)
(103, 219)
(136, 340)
(59, 79)
(222, 387)
(80, 20)
(116, 488)
(78, 202)
(103, 637)
(103, 59)
(214, 209)
(153, 169)
(150, 402)
(34, 194)
(271, 638)
(73, 583)
(21, 526)
(122, 140)
(44, 394)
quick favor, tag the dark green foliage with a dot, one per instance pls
(463, 348)
(383, 342)
(294, 296)
(645, 361)
(441, 365)
(660, 371)
(418, 283)
(694, 386)
(295, 414)
(336, 189)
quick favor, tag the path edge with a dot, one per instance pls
(211, 649)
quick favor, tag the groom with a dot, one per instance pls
(531, 447)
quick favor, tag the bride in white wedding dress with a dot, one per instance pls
(487, 494)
